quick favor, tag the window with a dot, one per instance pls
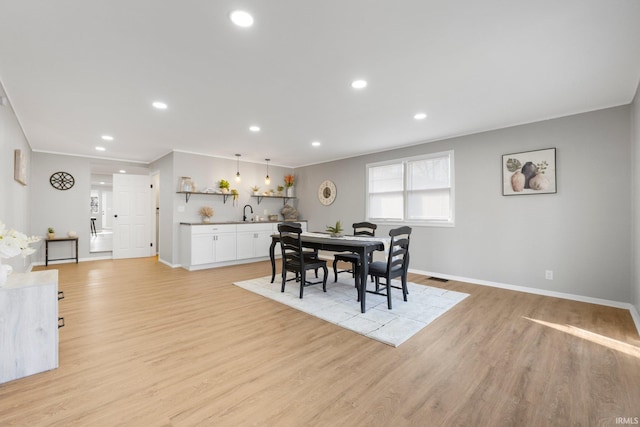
(417, 190)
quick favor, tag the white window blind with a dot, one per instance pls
(413, 190)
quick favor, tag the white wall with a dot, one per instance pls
(582, 233)
(14, 197)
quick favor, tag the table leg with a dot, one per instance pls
(364, 272)
(76, 251)
(46, 253)
(272, 257)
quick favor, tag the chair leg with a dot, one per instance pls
(389, 293)
(405, 291)
(303, 280)
(284, 279)
(335, 270)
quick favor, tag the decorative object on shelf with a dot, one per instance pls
(238, 168)
(335, 230)
(273, 217)
(62, 180)
(19, 167)
(531, 172)
(13, 243)
(206, 212)
(289, 180)
(224, 186)
(235, 195)
(267, 180)
(289, 213)
(72, 234)
(51, 233)
(327, 192)
(256, 190)
(186, 184)
(280, 189)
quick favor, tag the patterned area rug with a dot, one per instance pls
(339, 306)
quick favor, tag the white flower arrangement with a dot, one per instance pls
(14, 243)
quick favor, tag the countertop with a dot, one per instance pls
(239, 222)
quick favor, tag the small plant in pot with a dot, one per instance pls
(280, 190)
(224, 186)
(256, 190)
(206, 212)
(51, 233)
(335, 230)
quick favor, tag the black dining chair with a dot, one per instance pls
(295, 260)
(396, 265)
(359, 229)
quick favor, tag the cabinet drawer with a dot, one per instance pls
(213, 229)
(255, 227)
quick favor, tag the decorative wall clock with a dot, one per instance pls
(62, 180)
(327, 192)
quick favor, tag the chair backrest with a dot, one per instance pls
(399, 248)
(290, 242)
(364, 229)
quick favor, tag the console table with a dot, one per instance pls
(58, 239)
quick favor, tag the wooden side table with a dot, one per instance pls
(58, 239)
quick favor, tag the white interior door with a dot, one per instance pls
(131, 216)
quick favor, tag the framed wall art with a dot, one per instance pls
(19, 167)
(529, 172)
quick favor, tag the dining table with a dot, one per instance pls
(362, 246)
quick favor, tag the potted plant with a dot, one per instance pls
(235, 194)
(206, 212)
(224, 186)
(336, 230)
(256, 190)
(280, 189)
(51, 233)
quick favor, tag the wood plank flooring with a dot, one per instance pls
(147, 345)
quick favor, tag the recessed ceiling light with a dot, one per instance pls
(241, 18)
(101, 149)
(160, 105)
(123, 171)
(107, 137)
(254, 128)
(316, 143)
(359, 84)
(420, 116)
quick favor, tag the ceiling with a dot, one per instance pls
(74, 70)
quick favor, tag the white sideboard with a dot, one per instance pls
(28, 324)
(219, 244)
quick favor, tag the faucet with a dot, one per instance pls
(244, 211)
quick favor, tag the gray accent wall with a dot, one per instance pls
(581, 233)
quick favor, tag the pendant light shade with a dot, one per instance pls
(267, 180)
(238, 168)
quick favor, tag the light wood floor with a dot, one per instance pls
(147, 345)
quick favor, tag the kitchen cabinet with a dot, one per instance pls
(28, 324)
(208, 244)
(253, 240)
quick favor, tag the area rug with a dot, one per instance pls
(339, 306)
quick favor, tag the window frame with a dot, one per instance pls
(404, 161)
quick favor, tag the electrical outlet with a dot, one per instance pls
(548, 274)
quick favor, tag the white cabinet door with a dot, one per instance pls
(262, 243)
(245, 244)
(202, 249)
(225, 247)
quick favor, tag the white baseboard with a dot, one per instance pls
(573, 297)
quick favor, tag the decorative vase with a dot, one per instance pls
(224, 190)
(290, 191)
(5, 271)
(206, 219)
(51, 235)
(186, 184)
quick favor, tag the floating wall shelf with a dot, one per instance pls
(187, 195)
(285, 199)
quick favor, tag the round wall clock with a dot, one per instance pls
(62, 180)
(327, 192)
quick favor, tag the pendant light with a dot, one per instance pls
(238, 168)
(267, 180)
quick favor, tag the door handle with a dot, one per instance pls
(115, 216)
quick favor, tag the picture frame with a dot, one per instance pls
(19, 167)
(529, 172)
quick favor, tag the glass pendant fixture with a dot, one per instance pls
(267, 180)
(238, 168)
